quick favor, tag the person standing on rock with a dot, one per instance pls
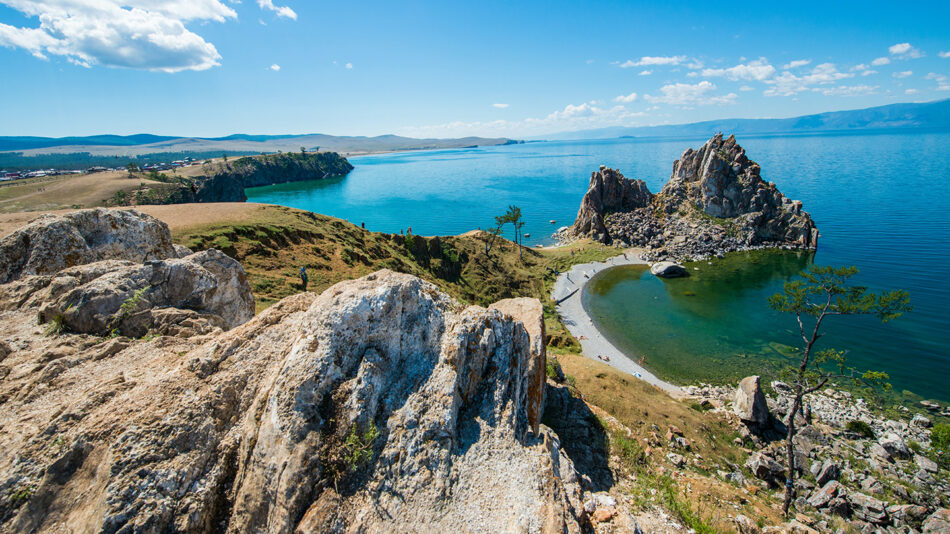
(303, 277)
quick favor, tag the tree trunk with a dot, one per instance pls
(790, 451)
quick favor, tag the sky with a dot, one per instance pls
(450, 69)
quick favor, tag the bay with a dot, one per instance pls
(879, 199)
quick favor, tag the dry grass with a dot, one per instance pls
(68, 191)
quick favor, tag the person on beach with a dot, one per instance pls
(303, 278)
(409, 231)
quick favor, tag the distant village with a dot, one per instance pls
(6, 176)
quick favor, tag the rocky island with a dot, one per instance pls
(715, 202)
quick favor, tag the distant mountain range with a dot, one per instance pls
(132, 145)
(928, 115)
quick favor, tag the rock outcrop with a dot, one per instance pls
(380, 405)
(52, 243)
(715, 202)
(668, 269)
(608, 192)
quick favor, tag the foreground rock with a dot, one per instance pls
(715, 202)
(106, 271)
(750, 403)
(380, 405)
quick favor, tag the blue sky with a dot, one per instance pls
(447, 69)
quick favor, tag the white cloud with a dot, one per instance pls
(138, 34)
(904, 51)
(759, 70)
(944, 55)
(911, 91)
(747, 88)
(646, 72)
(626, 98)
(653, 60)
(868, 72)
(348, 66)
(788, 84)
(500, 106)
(943, 83)
(282, 11)
(880, 61)
(850, 90)
(275, 67)
(904, 74)
(684, 94)
(859, 67)
(795, 64)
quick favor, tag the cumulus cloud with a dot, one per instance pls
(626, 99)
(868, 72)
(944, 55)
(788, 84)
(138, 34)
(282, 11)
(685, 94)
(646, 72)
(747, 88)
(911, 91)
(500, 106)
(904, 51)
(904, 74)
(653, 60)
(348, 66)
(850, 90)
(943, 83)
(275, 67)
(795, 64)
(758, 70)
(880, 61)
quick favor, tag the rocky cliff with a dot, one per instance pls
(379, 405)
(715, 201)
(227, 181)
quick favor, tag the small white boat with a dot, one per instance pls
(552, 221)
(527, 235)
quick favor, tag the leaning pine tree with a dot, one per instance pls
(821, 293)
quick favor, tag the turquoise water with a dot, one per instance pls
(879, 200)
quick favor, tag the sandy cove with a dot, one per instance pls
(567, 292)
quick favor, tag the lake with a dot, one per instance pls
(880, 201)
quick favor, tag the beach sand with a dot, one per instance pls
(567, 293)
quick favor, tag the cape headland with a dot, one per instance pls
(715, 202)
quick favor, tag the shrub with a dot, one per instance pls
(940, 438)
(358, 448)
(860, 427)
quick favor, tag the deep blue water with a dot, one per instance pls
(879, 200)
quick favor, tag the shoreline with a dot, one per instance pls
(568, 291)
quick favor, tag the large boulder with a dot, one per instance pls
(668, 269)
(52, 243)
(894, 445)
(102, 297)
(750, 403)
(765, 468)
(379, 406)
(938, 522)
(867, 508)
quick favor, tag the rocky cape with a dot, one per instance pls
(379, 405)
(226, 181)
(715, 202)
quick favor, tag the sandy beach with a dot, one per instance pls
(567, 292)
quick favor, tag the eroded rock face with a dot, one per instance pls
(715, 202)
(52, 243)
(608, 192)
(381, 405)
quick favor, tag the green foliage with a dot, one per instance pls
(358, 447)
(129, 305)
(57, 325)
(940, 439)
(628, 449)
(835, 297)
(860, 427)
(18, 496)
(552, 368)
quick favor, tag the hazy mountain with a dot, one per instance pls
(131, 145)
(931, 115)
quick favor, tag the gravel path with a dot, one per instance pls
(567, 292)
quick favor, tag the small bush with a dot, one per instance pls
(860, 427)
(358, 448)
(628, 449)
(553, 370)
